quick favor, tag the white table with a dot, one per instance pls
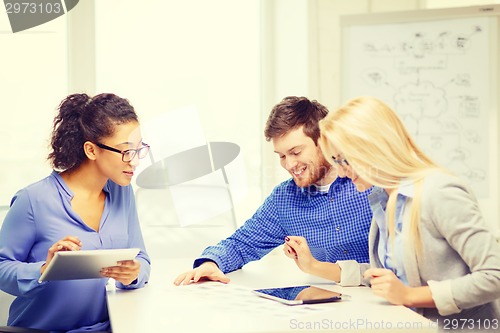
(215, 307)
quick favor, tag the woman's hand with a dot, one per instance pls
(386, 284)
(69, 243)
(296, 248)
(126, 272)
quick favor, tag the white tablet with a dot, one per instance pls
(84, 264)
(300, 295)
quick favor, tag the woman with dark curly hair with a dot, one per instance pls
(86, 203)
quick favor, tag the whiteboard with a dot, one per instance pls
(439, 70)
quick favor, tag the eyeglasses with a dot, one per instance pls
(129, 154)
(340, 162)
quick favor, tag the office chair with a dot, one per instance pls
(184, 200)
(189, 165)
(183, 162)
(3, 212)
(5, 301)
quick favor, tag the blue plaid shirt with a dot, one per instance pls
(335, 225)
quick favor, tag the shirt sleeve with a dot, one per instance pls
(257, 237)
(351, 273)
(19, 273)
(441, 294)
(136, 240)
(456, 215)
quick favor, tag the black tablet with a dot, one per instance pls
(300, 295)
(85, 264)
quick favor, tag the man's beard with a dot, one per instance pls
(316, 174)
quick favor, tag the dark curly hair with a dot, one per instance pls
(293, 112)
(83, 118)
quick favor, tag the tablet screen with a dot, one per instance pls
(300, 295)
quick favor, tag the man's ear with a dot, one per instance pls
(90, 150)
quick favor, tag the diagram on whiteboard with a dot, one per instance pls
(435, 74)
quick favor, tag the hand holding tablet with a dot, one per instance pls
(85, 264)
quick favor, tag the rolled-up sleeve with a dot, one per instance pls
(442, 296)
(351, 273)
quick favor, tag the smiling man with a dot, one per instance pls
(315, 205)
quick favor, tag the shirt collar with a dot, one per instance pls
(323, 188)
(378, 196)
(406, 188)
(62, 183)
(66, 188)
(317, 189)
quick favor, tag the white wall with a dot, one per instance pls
(166, 55)
(162, 56)
(33, 80)
(290, 67)
(233, 59)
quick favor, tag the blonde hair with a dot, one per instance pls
(373, 139)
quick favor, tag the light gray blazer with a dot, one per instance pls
(460, 259)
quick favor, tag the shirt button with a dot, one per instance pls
(331, 199)
(337, 228)
(345, 251)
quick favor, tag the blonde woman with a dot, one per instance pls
(430, 248)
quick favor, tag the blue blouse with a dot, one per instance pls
(391, 254)
(335, 225)
(40, 215)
